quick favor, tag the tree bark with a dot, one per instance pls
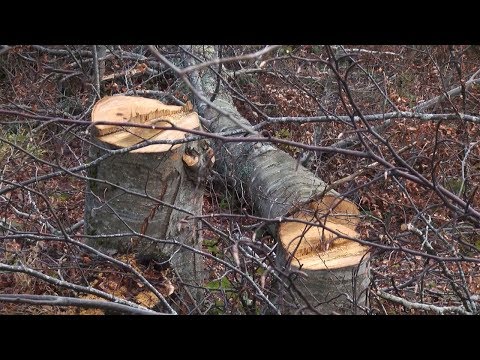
(335, 271)
(165, 184)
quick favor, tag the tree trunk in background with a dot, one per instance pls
(157, 172)
(101, 52)
(336, 269)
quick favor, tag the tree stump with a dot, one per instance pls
(332, 270)
(151, 191)
(335, 270)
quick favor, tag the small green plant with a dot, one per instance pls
(454, 185)
(224, 203)
(283, 133)
(285, 50)
(260, 271)
(220, 284)
(477, 244)
(21, 138)
(317, 49)
(62, 197)
(231, 297)
(212, 246)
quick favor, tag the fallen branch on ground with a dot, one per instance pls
(51, 300)
(441, 310)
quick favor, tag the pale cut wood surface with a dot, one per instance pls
(143, 111)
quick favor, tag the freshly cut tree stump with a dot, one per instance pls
(144, 191)
(336, 268)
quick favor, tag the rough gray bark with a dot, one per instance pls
(110, 210)
(330, 291)
(276, 184)
(102, 52)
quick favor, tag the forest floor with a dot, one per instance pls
(408, 79)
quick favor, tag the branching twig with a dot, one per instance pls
(195, 90)
(217, 61)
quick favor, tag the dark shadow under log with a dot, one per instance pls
(331, 271)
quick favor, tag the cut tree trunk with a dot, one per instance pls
(149, 191)
(333, 273)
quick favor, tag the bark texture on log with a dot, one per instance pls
(278, 186)
(163, 175)
(341, 290)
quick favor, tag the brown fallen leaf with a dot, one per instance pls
(147, 299)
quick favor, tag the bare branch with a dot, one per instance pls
(374, 52)
(441, 310)
(96, 70)
(373, 117)
(4, 49)
(89, 290)
(451, 93)
(57, 51)
(51, 300)
(255, 55)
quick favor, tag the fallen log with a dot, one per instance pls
(330, 269)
